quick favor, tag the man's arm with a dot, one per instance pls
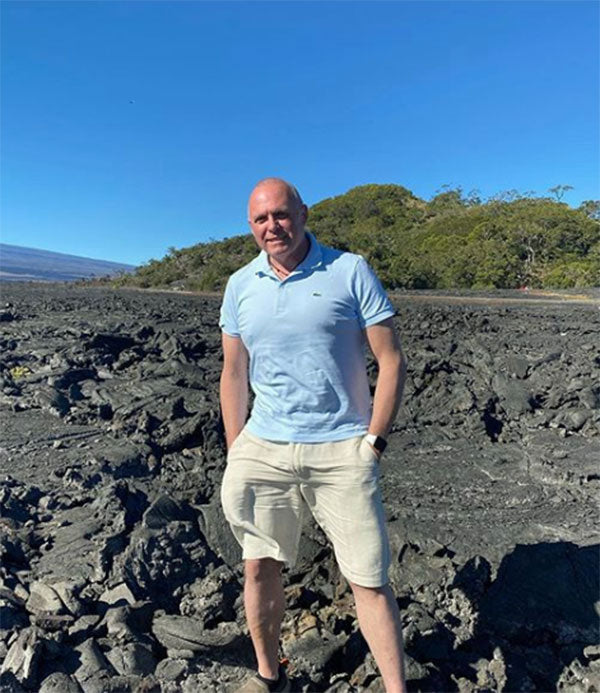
(385, 345)
(234, 387)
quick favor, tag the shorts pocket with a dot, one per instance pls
(236, 443)
(366, 452)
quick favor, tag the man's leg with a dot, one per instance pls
(379, 620)
(264, 601)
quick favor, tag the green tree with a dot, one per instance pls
(452, 241)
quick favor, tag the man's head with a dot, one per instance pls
(277, 215)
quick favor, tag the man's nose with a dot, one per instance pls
(272, 222)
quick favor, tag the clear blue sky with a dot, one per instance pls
(129, 127)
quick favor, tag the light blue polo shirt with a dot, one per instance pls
(305, 339)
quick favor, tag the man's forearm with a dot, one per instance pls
(234, 404)
(388, 394)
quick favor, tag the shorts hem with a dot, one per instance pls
(363, 581)
(276, 556)
(374, 579)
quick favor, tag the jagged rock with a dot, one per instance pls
(12, 613)
(119, 595)
(214, 526)
(577, 418)
(20, 592)
(592, 652)
(514, 397)
(415, 671)
(9, 683)
(517, 366)
(70, 376)
(52, 400)
(496, 445)
(417, 621)
(132, 659)
(68, 593)
(101, 683)
(117, 624)
(164, 510)
(83, 627)
(172, 669)
(465, 685)
(185, 434)
(23, 657)
(59, 682)
(113, 343)
(419, 568)
(158, 561)
(210, 682)
(491, 675)
(365, 674)
(42, 598)
(124, 460)
(84, 548)
(211, 600)
(7, 316)
(474, 577)
(72, 552)
(580, 678)
(91, 663)
(52, 622)
(340, 686)
(183, 633)
(314, 651)
(375, 686)
(126, 623)
(150, 684)
(589, 397)
(17, 501)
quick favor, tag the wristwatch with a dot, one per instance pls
(377, 442)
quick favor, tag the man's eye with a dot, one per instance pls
(281, 215)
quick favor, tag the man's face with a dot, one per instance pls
(276, 219)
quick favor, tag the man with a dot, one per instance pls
(295, 320)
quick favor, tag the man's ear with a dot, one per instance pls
(304, 213)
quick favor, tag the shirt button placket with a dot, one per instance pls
(280, 301)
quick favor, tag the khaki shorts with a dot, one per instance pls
(268, 484)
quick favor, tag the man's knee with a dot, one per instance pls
(262, 569)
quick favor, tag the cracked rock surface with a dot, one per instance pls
(118, 573)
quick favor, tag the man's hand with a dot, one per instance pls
(385, 346)
(375, 450)
(234, 387)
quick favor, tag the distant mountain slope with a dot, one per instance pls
(31, 264)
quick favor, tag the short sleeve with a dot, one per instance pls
(228, 321)
(372, 302)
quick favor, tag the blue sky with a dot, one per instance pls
(130, 127)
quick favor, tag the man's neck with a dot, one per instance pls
(287, 264)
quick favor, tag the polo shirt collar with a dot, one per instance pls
(313, 259)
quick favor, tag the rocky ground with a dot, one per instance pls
(118, 573)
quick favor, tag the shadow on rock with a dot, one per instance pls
(536, 617)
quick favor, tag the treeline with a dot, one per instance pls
(455, 240)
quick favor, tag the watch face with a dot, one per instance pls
(380, 444)
(377, 442)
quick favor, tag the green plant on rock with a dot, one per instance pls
(17, 372)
